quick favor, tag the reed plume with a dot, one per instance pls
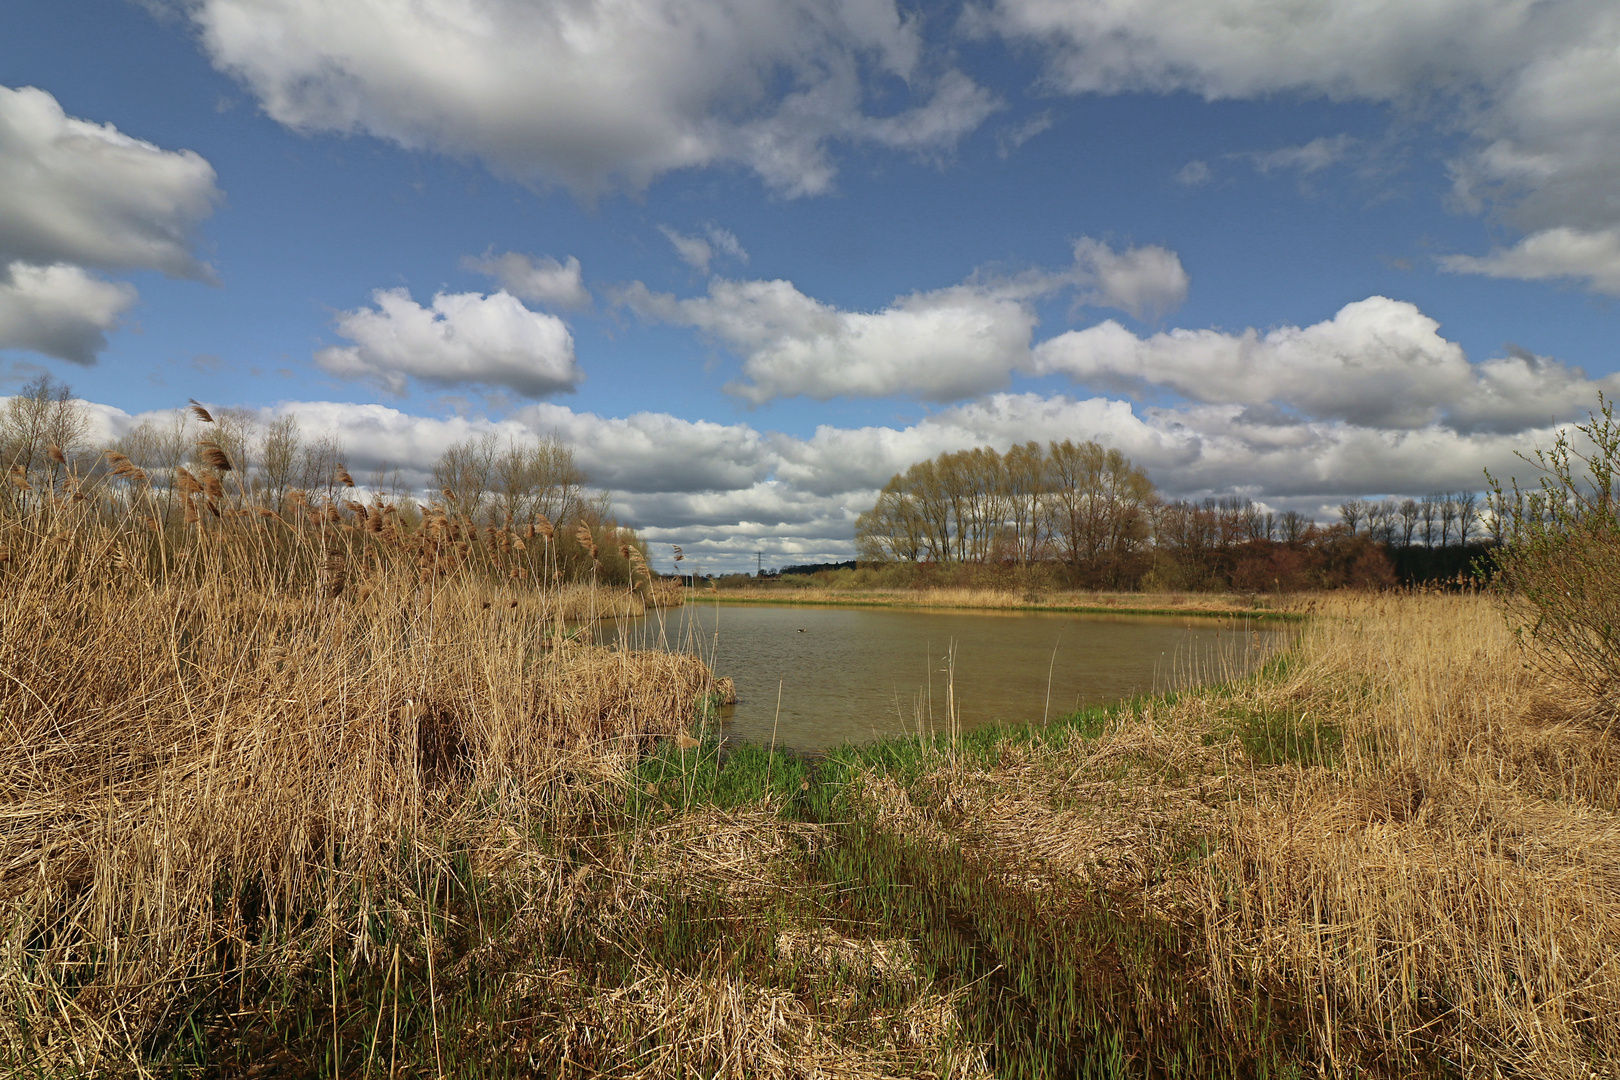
(213, 456)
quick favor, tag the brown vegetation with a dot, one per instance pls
(1083, 516)
(1402, 845)
(316, 790)
(233, 739)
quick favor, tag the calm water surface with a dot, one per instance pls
(847, 674)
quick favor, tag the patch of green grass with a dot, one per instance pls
(1282, 736)
(727, 776)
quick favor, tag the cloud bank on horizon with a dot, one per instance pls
(640, 112)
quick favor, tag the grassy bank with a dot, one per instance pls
(378, 817)
(1222, 605)
(1390, 853)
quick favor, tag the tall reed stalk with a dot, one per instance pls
(237, 742)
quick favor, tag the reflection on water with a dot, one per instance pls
(860, 673)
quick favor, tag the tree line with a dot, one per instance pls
(1086, 514)
(184, 467)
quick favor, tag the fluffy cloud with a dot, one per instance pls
(1377, 363)
(938, 346)
(1534, 85)
(540, 281)
(1147, 282)
(75, 194)
(59, 310)
(464, 338)
(697, 252)
(942, 345)
(722, 491)
(586, 93)
(1552, 253)
(656, 452)
(72, 191)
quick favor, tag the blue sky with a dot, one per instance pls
(753, 258)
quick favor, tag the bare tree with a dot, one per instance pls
(1467, 503)
(1098, 504)
(464, 474)
(231, 432)
(320, 463)
(1352, 512)
(1380, 520)
(1429, 513)
(540, 478)
(1448, 517)
(1498, 512)
(1024, 468)
(1294, 526)
(1254, 522)
(892, 531)
(1409, 514)
(159, 446)
(278, 460)
(42, 414)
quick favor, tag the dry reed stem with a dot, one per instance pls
(739, 853)
(1447, 890)
(200, 755)
(666, 1024)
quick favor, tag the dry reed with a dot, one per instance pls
(225, 750)
(1399, 833)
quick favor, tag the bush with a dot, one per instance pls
(1560, 563)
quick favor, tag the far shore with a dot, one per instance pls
(1206, 605)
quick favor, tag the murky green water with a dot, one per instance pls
(814, 677)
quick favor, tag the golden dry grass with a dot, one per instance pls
(660, 1024)
(201, 774)
(1431, 871)
(220, 772)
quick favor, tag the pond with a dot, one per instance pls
(813, 677)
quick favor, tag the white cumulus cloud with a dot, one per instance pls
(1147, 282)
(724, 490)
(1377, 363)
(59, 310)
(587, 93)
(1534, 86)
(938, 345)
(540, 281)
(76, 194)
(463, 338)
(1592, 256)
(73, 191)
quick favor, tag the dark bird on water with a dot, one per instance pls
(801, 629)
